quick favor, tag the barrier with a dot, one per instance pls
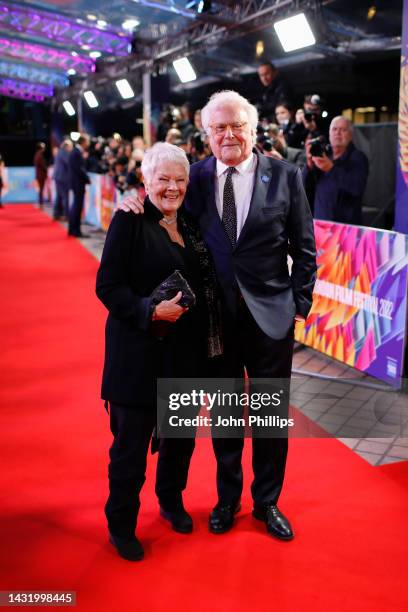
(360, 299)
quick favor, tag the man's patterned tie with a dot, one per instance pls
(229, 211)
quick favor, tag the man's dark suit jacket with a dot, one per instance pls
(279, 223)
(78, 177)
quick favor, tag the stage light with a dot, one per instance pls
(68, 108)
(91, 100)
(125, 89)
(95, 54)
(74, 53)
(294, 32)
(92, 17)
(260, 48)
(130, 24)
(75, 136)
(184, 69)
(101, 23)
(71, 72)
(371, 13)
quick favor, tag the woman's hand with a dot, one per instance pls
(169, 310)
(132, 203)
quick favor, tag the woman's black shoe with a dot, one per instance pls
(180, 520)
(128, 548)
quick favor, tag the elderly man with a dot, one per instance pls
(335, 180)
(252, 209)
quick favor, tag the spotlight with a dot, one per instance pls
(101, 23)
(184, 69)
(71, 72)
(91, 17)
(130, 24)
(371, 13)
(260, 48)
(125, 89)
(91, 100)
(294, 32)
(68, 108)
(75, 136)
(95, 54)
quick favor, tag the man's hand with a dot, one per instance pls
(132, 203)
(323, 163)
(169, 310)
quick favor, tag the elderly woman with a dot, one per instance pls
(145, 341)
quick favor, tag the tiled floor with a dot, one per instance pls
(373, 422)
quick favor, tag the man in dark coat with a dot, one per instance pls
(276, 89)
(78, 179)
(335, 181)
(61, 178)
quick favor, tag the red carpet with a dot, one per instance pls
(350, 553)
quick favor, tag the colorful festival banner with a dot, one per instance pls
(401, 189)
(360, 299)
(19, 185)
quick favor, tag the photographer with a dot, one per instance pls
(335, 176)
(271, 142)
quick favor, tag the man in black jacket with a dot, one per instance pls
(78, 179)
(252, 211)
(276, 90)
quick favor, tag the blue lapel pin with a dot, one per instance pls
(265, 178)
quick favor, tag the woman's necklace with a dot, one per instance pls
(171, 220)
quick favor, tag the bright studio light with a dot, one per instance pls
(91, 100)
(130, 24)
(75, 136)
(68, 108)
(95, 54)
(184, 69)
(294, 32)
(125, 89)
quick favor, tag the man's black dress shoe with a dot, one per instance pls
(276, 523)
(128, 548)
(78, 235)
(180, 520)
(222, 517)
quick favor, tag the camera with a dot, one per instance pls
(319, 146)
(309, 116)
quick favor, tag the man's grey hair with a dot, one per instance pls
(228, 98)
(347, 121)
(159, 153)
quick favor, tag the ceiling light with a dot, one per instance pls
(371, 12)
(91, 17)
(68, 108)
(95, 54)
(125, 89)
(75, 136)
(294, 32)
(101, 23)
(85, 47)
(184, 69)
(260, 48)
(71, 72)
(91, 100)
(130, 24)
(74, 53)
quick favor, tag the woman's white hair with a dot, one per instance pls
(159, 153)
(228, 97)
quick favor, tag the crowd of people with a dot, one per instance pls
(334, 172)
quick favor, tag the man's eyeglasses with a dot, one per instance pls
(236, 128)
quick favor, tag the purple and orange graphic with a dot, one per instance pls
(360, 299)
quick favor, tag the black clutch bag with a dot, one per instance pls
(170, 287)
